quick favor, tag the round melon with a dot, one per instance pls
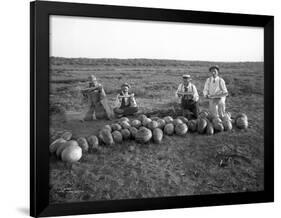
(106, 137)
(157, 135)
(169, 129)
(227, 116)
(82, 142)
(66, 135)
(210, 129)
(125, 134)
(218, 126)
(72, 153)
(192, 125)
(227, 125)
(203, 114)
(201, 125)
(168, 119)
(241, 122)
(142, 117)
(152, 125)
(117, 136)
(136, 123)
(133, 131)
(116, 126)
(154, 118)
(161, 123)
(55, 144)
(216, 120)
(181, 129)
(183, 119)
(143, 135)
(125, 125)
(65, 145)
(177, 121)
(146, 121)
(107, 127)
(93, 142)
(126, 119)
(243, 115)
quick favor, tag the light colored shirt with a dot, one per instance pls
(214, 86)
(190, 89)
(128, 100)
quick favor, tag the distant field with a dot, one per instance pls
(179, 166)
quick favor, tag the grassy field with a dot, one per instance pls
(187, 165)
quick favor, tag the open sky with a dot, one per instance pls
(113, 38)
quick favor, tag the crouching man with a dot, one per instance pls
(125, 102)
(188, 97)
(215, 90)
(97, 101)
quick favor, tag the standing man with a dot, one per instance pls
(98, 105)
(188, 97)
(215, 90)
(125, 103)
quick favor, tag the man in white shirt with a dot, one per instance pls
(215, 90)
(188, 97)
(125, 103)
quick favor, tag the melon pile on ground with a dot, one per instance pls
(143, 130)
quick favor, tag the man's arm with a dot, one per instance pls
(195, 94)
(223, 87)
(206, 88)
(178, 95)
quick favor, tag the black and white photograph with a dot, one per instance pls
(148, 109)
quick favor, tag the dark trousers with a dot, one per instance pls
(190, 106)
(125, 110)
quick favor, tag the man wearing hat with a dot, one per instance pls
(125, 103)
(96, 97)
(188, 97)
(215, 90)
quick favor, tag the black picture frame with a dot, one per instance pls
(39, 104)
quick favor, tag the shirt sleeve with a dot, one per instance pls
(223, 86)
(117, 102)
(206, 88)
(195, 93)
(133, 101)
(178, 90)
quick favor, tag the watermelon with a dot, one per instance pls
(242, 122)
(169, 129)
(183, 119)
(152, 125)
(126, 119)
(154, 118)
(177, 121)
(157, 135)
(125, 125)
(203, 114)
(218, 126)
(64, 146)
(142, 117)
(66, 135)
(126, 134)
(106, 137)
(227, 125)
(133, 131)
(72, 153)
(146, 121)
(143, 135)
(93, 142)
(168, 119)
(181, 129)
(107, 127)
(192, 125)
(136, 123)
(55, 144)
(210, 129)
(161, 123)
(201, 125)
(82, 142)
(116, 126)
(117, 136)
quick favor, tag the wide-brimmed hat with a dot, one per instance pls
(186, 76)
(126, 84)
(214, 67)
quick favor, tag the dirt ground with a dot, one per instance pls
(190, 165)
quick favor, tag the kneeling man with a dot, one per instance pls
(125, 102)
(188, 97)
